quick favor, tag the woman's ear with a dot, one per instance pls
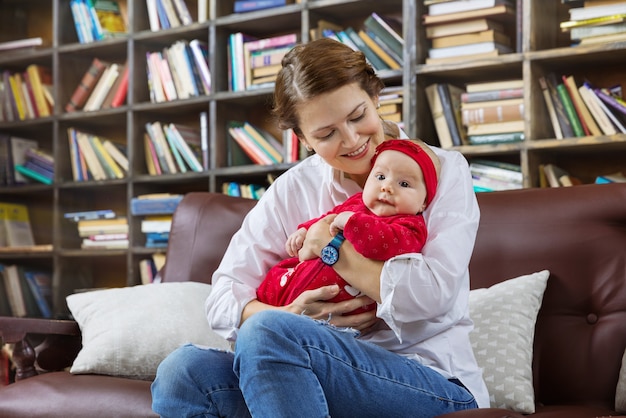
(304, 143)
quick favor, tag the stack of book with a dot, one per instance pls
(243, 6)
(26, 94)
(100, 229)
(38, 165)
(493, 112)
(179, 71)
(597, 21)
(390, 104)
(98, 19)
(582, 109)
(96, 158)
(104, 85)
(25, 291)
(489, 175)
(157, 210)
(254, 63)
(166, 14)
(379, 38)
(252, 144)
(22, 161)
(551, 175)
(445, 107)
(468, 29)
(172, 148)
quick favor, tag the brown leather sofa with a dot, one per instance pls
(578, 233)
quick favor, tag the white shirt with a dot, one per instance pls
(424, 296)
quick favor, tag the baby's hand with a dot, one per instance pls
(295, 241)
(339, 223)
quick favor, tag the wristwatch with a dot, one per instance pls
(330, 253)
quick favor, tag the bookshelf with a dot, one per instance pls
(543, 49)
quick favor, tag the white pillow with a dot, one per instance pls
(504, 318)
(129, 331)
(620, 392)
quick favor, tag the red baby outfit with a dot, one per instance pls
(374, 237)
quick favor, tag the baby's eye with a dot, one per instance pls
(380, 176)
(404, 184)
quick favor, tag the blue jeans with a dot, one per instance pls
(289, 365)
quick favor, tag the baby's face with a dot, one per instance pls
(395, 186)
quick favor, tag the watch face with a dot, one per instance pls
(330, 255)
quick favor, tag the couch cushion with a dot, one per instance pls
(129, 331)
(504, 318)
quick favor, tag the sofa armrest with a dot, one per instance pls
(60, 344)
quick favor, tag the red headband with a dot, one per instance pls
(420, 156)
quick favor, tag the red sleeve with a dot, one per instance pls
(382, 238)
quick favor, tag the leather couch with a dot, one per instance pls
(578, 233)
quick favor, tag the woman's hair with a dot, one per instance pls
(318, 67)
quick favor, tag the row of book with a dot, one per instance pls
(390, 102)
(166, 14)
(247, 190)
(379, 38)
(22, 161)
(96, 158)
(179, 71)
(26, 94)
(468, 29)
(149, 268)
(96, 20)
(172, 148)
(25, 291)
(597, 21)
(582, 109)
(260, 146)
(103, 86)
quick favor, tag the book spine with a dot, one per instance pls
(381, 28)
(30, 173)
(572, 116)
(501, 138)
(86, 85)
(482, 96)
(242, 6)
(566, 126)
(448, 113)
(589, 125)
(273, 42)
(491, 114)
(377, 62)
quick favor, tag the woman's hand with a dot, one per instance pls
(313, 303)
(317, 237)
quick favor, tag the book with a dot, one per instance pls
(21, 43)
(593, 12)
(584, 32)
(150, 156)
(468, 49)
(102, 226)
(463, 58)
(450, 96)
(86, 85)
(595, 21)
(102, 88)
(494, 85)
(5, 304)
(588, 123)
(90, 215)
(14, 290)
(204, 139)
(107, 162)
(499, 138)
(116, 154)
(556, 176)
(40, 285)
(496, 127)
(15, 225)
(243, 6)
(500, 10)
(183, 12)
(164, 153)
(40, 76)
(252, 45)
(463, 27)
(263, 139)
(500, 112)
(570, 111)
(483, 96)
(554, 120)
(436, 110)
(388, 29)
(91, 158)
(156, 224)
(155, 204)
(110, 18)
(190, 157)
(33, 174)
(200, 51)
(458, 6)
(18, 147)
(254, 153)
(471, 38)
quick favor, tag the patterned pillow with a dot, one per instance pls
(504, 318)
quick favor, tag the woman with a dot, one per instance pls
(412, 356)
